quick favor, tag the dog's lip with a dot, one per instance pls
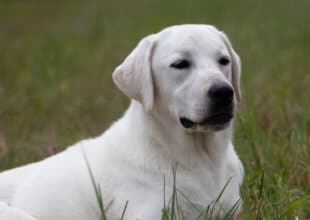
(215, 119)
(187, 123)
(218, 118)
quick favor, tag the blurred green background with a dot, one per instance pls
(57, 57)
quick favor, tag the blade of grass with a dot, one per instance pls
(174, 171)
(219, 196)
(231, 212)
(164, 192)
(96, 188)
(124, 211)
(261, 185)
(205, 210)
(294, 205)
(191, 203)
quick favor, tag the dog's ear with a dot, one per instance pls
(236, 67)
(134, 76)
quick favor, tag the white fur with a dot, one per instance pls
(131, 158)
(8, 212)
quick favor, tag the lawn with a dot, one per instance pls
(57, 57)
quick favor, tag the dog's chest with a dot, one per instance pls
(151, 193)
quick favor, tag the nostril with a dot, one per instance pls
(221, 91)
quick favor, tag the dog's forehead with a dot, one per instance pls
(190, 37)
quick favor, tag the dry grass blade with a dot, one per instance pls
(124, 211)
(174, 193)
(96, 187)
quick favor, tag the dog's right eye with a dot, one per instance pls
(181, 64)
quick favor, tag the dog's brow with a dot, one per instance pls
(185, 52)
(222, 52)
(179, 54)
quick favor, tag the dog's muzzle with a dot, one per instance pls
(221, 109)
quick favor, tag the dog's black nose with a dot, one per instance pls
(221, 92)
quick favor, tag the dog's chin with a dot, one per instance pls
(215, 122)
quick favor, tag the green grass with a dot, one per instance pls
(57, 57)
(174, 211)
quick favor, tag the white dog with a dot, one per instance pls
(184, 86)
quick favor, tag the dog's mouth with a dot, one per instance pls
(215, 120)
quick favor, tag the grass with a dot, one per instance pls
(175, 211)
(56, 60)
(96, 187)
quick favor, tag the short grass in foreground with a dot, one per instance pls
(172, 210)
(56, 60)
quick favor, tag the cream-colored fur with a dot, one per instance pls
(130, 160)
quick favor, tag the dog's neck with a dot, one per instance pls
(173, 143)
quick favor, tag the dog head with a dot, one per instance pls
(188, 73)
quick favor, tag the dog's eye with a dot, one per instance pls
(181, 64)
(224, 61)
